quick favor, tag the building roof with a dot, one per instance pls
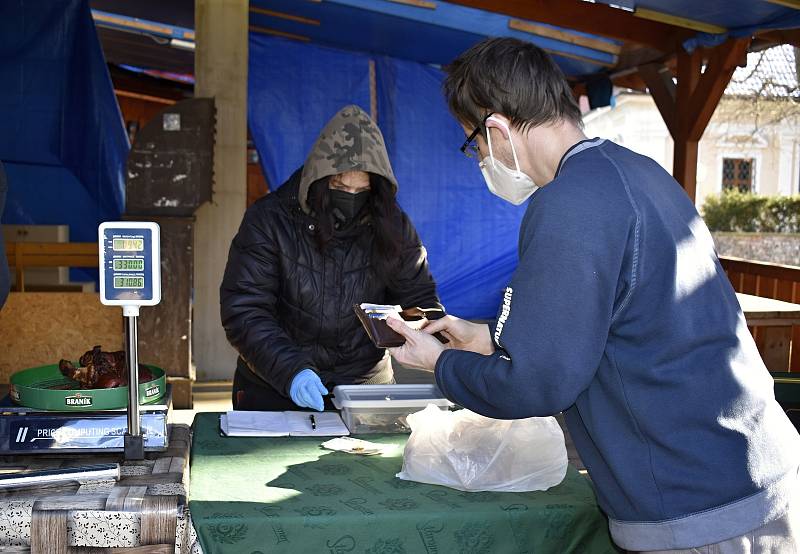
(586, 38)
(771, 73)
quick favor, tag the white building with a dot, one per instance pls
(752, 142)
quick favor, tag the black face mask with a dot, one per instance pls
(347, 205)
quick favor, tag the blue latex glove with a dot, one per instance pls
(307, 390)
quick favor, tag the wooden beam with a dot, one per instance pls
(417, 3)
(141, 25)
(596, 19)
(689, 71)
(20, 255)
(564, 36)
(696, 96)
(578, 90)
(684, 165)
(632, 81)
(794, 4)
(145, 97)
(579, 57)
(781, 36)
(52, 254)
(678, 21)
(275, 32)
(713, 83)
(659, 82)
(286, 16)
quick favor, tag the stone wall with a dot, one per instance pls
(777, 248)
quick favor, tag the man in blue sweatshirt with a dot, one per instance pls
(620, 315)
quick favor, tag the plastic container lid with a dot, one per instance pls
(388, 396)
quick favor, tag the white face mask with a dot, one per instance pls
(512, 185)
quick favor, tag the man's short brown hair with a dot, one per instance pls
(512, 77)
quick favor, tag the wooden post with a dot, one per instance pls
(684, 164)
(687, 106)
(220, 72)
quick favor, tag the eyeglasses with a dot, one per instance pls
(470, 148)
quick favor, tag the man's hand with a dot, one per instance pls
(420, 350)
(462, 335)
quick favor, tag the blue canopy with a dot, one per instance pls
(431, 36)
(435, 32)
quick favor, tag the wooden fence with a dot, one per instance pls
(781, 282)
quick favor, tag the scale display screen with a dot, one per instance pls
(124, 282)
(127, 245)
(130, 263)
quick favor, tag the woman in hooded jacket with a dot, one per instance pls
(330, 237)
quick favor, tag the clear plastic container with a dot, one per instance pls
(383, 408)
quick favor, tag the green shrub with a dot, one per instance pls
(735, 211)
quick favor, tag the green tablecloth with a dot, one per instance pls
(289, 495)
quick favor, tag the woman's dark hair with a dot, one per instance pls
(384, 216)
(511, 77)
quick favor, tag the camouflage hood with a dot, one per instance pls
(350, 141)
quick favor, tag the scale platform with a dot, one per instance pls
(30, 431)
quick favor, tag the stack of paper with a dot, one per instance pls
(281, 424)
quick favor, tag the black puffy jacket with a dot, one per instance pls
(285, 306)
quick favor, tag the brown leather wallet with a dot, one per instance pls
(384, 336)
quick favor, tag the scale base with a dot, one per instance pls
(134, 447)
(25, 431)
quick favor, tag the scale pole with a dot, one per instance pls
(134, 442)
(132, 353)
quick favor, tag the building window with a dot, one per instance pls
(737, 174)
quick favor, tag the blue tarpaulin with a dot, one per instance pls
(470, 235)
(63, 141)
(293, 90)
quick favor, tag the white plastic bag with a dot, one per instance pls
(469, 452)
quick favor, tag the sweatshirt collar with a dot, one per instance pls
(577, 148)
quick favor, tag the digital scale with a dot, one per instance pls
(98, 420)
(26, 431)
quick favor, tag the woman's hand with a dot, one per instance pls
(307, 390)
(462, 334)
